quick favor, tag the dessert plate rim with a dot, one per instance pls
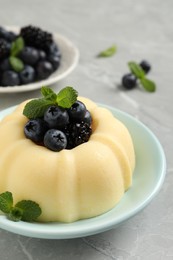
(149, 172)
(69, 60)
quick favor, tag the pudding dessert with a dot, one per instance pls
(76, 182)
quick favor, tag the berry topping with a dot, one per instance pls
(56, 117)
(58, 121)
(87, 118)
(77, 133)
(77, 111)
(55, 140)
(35, 130)
(129, 81)
(145, 65)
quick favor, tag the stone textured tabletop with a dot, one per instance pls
(141, 30)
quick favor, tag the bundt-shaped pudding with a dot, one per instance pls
(74, 183)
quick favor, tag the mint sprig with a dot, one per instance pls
(66, 97)
(16, 63)
(36, 107)
(16, 47)
(136, 69)
(6, 202)
(147, 84)
(30, 210)
(26, 210)
(108, 52)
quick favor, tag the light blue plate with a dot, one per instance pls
(148, 177)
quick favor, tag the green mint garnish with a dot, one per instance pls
(6, 202)
(30, 210)
(17, 46)
(66, 97)
(108, 52)
(48, 94)
(16, 64)
(15, 214)
(147, 84)
(136, 70)
(26, 210)
(36, 107)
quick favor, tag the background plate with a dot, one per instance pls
(148, 177)
(69, 60)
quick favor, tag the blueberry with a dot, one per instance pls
(53, 49)
(10, 78)
(42, 55)
(35, 130)
(54, 60)
(11, 36)
(27, 75)
(87, 118)
(145, 65)
(5, 65)
(55, 140)
(129, 81)
(44, 69)
(77, 111)
(29, 55)
(3, 33)
(56, 117)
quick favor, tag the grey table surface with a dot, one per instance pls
(141, 30)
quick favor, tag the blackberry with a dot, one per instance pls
(77, 133)
(4, 48)
(36, 37)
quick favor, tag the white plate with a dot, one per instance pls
(148, 177)
(69, 60)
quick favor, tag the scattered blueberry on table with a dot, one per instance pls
(138, 76)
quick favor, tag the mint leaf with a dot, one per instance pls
(67, 97)
(17, 46)
(6, 201)
(15, 214)
(108, 52)
(16, 64)
(36, 108)
(48, 93)
(149, 85)
(30, 210)
(136, 69)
